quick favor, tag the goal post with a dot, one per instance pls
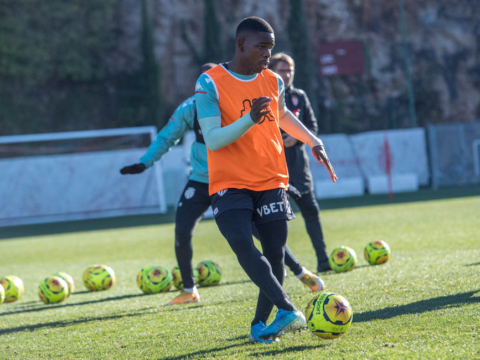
(75, 175)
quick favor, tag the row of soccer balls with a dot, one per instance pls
(330, 315)
(344, 258)
(151, 280)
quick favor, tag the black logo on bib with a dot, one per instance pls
(247, 106)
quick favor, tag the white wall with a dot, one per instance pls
(408, 152)
(75, 186)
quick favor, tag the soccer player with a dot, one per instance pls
(195, 199)
(298, 166)
(240, 106)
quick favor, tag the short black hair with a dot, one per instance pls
(206, 67)
(253, 24)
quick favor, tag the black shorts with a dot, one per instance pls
(268, 205)
(195, 195)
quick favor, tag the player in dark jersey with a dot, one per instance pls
(240, 106)
(297, 159)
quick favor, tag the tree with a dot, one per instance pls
(213, 49)
(301, 50)
(151, 71)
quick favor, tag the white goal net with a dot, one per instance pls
(75, 175)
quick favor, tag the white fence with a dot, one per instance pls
(377, 161)
(87, 185)
(455, 154)
(75, 185)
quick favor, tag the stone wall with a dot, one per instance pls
(443, 38)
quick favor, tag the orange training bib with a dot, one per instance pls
(255, 161)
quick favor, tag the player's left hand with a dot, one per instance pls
(133, 169)
(288, 141)
(320, 154)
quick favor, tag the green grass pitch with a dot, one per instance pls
(424, 303)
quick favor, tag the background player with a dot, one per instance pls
(299, 172)
(195, 199)
(240, 107)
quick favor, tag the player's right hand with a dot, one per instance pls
(259, 107)
(293, 192)
(321, 155)
(133, 169)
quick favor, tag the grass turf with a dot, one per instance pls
(424, 303)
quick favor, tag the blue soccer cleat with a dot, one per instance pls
(285, 321)
(256, 334)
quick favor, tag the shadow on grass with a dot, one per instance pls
(60, 306)
(280, 352)
(82, 292)
(473, 264)
(28, 303)
(241, 337)
(61, 324)
(362, 266)
(331, 272)
(419, 307)
(38, 306)
(25, 302)
(235, 282)
(210, 352)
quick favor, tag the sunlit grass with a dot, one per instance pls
(424, 303)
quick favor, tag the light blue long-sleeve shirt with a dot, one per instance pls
(207, 99)
(181, 121)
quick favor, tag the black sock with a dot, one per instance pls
(309, 209)
(292, 262)
(273, 236)
(184, 254)
(189, 212)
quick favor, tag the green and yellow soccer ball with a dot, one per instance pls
(177, 277)
(154, 279)
(68, 279)
(209, 273)
(53, 290)
(98, 278)
(377, 252)
(329, 315)
(342, 259)
(2, 294)
(13, 287)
